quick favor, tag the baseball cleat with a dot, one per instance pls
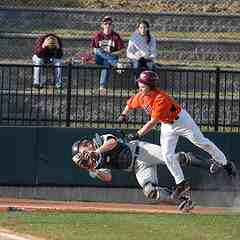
(214, 167)
(182, 190)
(186, 205)
(231, 169)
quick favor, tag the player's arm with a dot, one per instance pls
(102, 174)
(107, 146)
(147, 127)
(144, 130)
(125, 110)
(133, 103)
(123, 116)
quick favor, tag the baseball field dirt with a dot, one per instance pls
(13, 204)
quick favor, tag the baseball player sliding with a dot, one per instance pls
(106, 152)
(175, 122)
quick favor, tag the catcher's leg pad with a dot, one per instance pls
(189, 159)
(155, 192)
(183, 159)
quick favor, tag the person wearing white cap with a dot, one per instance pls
(107, 46)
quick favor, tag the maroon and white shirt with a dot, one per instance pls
(111, 42)
(46, 52)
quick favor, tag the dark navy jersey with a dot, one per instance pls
(119, 157)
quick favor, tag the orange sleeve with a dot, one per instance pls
(134, 102)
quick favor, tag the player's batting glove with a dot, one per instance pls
(122, 118)
(132, 137)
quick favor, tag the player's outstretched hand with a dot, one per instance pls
(122, 118)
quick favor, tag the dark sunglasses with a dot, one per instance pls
(107, 23)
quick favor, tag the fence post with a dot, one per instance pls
(217, 89)
(69, 90)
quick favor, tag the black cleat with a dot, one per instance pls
(215, 166)
(185, 205)
(231, 169)
(182, 189)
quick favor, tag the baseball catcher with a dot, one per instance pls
(103, 153)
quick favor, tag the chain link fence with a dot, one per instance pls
(201, 32)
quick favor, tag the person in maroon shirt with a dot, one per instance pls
(108, 47)
(48, 50)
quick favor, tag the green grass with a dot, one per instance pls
(65, 32)
(77, 226)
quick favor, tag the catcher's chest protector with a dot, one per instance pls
(118, 158)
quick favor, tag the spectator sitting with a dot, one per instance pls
(48, 50)
(108, 47)
(141, 49)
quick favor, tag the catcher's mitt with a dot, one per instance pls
(85, 159)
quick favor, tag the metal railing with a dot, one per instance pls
(211, 96)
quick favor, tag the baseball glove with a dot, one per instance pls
(86, 160)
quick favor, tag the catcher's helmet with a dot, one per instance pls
(148, 78)
(83, 142)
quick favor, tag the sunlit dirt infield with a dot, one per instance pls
(13, 204)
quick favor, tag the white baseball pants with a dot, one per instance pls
(145, 168)
(185, 127)
(149, 157)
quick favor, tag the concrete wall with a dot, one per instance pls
(123, 20)
(117, 195)
(36, 163)
(38, 156)
(20, 46)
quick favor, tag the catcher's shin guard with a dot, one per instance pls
(156, 192)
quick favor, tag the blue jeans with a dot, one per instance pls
(38, 71)
(139, 66)
(106, 60)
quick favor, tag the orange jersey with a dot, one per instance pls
(158, 104)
